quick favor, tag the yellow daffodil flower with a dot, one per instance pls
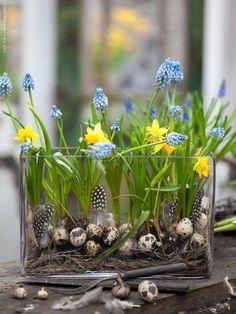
(96, 135)
(155, 134)
(27, 134)
(202, 167)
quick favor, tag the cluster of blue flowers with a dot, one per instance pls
(100, 150)
(25, 147)
(100, 100)
(175, 112)
(116, 126)
(128, 106)
(5, 85)
(55, 113)
(174, 139)
(219, 132)
(27, 82)
(168, 73)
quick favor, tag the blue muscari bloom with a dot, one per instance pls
(188, 102)
(174, 139)
(100, 100)
(116, 125)
(27, 82)
(55, 113)
(222, 90)
(186, 117)
(128, 106)
(25, 147)
(168, 73)
(100, 150)
(175, 112)
(5, 85)
(220, 132)
(153, 113)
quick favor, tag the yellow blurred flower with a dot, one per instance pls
(131, 19)
(202, 166)
(96, 135)
(118, 39)
(27, 134)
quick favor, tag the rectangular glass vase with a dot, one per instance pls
(116, 214)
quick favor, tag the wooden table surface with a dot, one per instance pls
(203, 292)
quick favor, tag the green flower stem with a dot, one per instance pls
(62, 138)
(150, 105)
(106, 125)
(35, 119)
(130, 150)
(11, 115)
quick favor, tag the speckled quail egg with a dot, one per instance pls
(124, 229)
(111, 234)
(92, 248)
(78, 237)
(197, 241)
(94, 231)
(147, 242)
(60, 236)
(184, 228)
(127, 249)
(148, 291)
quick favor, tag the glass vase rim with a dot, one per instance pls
(71, 149)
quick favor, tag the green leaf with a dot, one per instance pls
(172, 188)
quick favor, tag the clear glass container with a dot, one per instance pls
(121, 213)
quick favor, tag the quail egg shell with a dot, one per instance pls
(111, 234)
(197, 241)
(148, 291)
(184, 228)
(92, 248)
(94, 231)
(78, 237)
(60, 236)
(147, 242)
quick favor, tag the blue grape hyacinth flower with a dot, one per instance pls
(186, 117)
(116, 126)
(55, 113)
(27, 82)
(153, 113)
(174, 139)
(128, 106)
(175, 112)
(100, 100)
(5, 85)
(25, 148)
(100, 150)
(222, 90)
(219, 132)
(169, 72)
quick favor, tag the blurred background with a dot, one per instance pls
(70, 47)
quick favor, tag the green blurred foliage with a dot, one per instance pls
(195, 44)
(68, 66)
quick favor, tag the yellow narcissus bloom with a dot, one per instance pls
(96, 135)
(155, 134)
(27, 134)
(202, 167)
